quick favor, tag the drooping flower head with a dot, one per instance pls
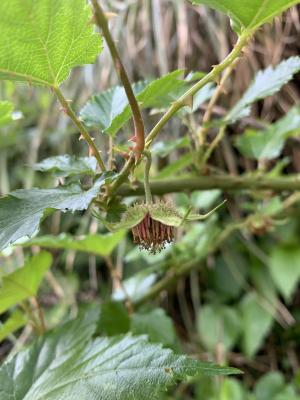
(153, 225)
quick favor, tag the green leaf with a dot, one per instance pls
(156, 324)
(249, 14)
(103, 109)
(269, 385)
(285, 269)
(101, 245)
(41, 41)
(16, 321)
(269, 143)
(265, 83)
(30, 206)
(110, 110)
(164, 148)
(218, 324)
(66, 364)
(114, 319)
(6, 109)
(177, 166)
(256, 322)
(24, 282)
(66, 165)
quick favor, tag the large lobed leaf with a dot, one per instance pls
(250, 14)
(24, 282)
(42, 40)
(22, 211)
(110, 110)
(66, 364)
(265, 83)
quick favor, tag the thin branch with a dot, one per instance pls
(139, 130)
(223, 182)
(84, 133)
(208, 113)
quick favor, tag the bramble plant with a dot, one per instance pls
(121, 346)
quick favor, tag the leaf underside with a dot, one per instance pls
(30, 206)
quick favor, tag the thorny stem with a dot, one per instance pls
(184, 100)
(139, 130)
(84, 133)
(148, 162)
(211, 76)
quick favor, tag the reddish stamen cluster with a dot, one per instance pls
(152, 235)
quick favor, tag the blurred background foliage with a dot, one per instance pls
(238, 299)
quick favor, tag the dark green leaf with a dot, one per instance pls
(24, 282)
(114, 319)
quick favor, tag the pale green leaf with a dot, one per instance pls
(284, 267)
(6, 109)
(66, 165)
(66, 364)
(269, 143)
(101, 245)
(114, 319)
(14, 322)
(24, 282)
(255, 321)
(42, 40)
(177, 166)
(29, 207)
(156, 324)
(265, 83)
(136, 286)
(110, 110)
(218, 324)
(249, 14)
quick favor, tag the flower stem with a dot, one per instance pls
(148, 162)
(84, 133)
(139, 130)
